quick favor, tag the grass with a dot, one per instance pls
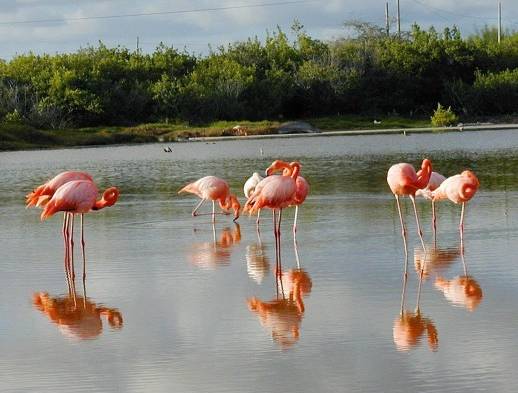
(15, 136)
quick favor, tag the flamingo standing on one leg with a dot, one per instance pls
(249, 188)
(435, 181)
(301, 192)
(42, 194)
(79, 197)
(458, 189)
(215, 189)
(403, 180)
(276, 193)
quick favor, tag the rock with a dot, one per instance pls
(296, 127)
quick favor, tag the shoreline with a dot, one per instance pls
(358, 132)
(385, 131)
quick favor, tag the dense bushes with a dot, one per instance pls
(368, 72)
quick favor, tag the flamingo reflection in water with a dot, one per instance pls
(283, 315)
(76, 316)
(410, 326)
(435, 259)
(257, 264)
(462, 290)
(211, 254)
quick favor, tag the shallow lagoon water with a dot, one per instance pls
(200, 310)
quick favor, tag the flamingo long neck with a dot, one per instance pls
(423, 176)
(110, 196)
(295, 170)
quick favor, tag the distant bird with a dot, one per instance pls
(435, 181)
(215, 189)
(79, 197)
(458, 189)
(249, 188)
(168, 149)
(403, 180)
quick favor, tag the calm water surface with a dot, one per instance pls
(174, 305)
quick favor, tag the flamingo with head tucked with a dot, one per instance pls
(250, 186)
(458, 189)
(404, 180)
(79, 197)
(215, 189)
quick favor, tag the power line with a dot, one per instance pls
(81, 18)
(453, 13)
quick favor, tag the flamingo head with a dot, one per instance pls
(295, 169)
(110, 196)
(235, 205)
(424, 174)
(276, 166)
(470, 184)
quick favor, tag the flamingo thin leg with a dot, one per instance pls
(461, 226)
(419, 231)
(83, 247)
(71, 245)
(197, 207)
(403, 229)
(295, 220)
(434, 222)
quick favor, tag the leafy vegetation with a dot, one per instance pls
(444, 117)
(367, 73)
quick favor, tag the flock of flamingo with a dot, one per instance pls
(75, 193)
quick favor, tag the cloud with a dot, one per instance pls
(196, 30)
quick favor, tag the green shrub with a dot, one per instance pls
(444, 117)
(13, 117)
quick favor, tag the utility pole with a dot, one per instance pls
(499, 21)
(137, 43)
(398, 20)
(387, 26)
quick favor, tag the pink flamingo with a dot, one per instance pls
(403, 180)
(79, 197)
(276, 193)
(458, 189)
(215, 189)
(435, 181)
(43, 193)
(301, 192)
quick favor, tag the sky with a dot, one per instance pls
(54, 26)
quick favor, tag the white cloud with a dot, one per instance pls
(196, 30)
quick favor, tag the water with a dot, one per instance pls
(173, 306)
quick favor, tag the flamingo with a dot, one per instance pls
(403, 180)
(435, 181)
(458, 189)
(250, 186)
(215, 189)
(43, 193)
(276, 193)
(302, 191)
(79, 197)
